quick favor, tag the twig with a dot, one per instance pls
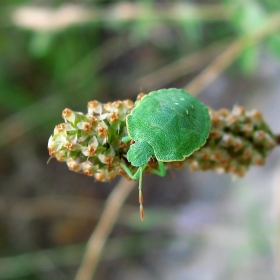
(181, 67)
(103, 229)
(211, 72)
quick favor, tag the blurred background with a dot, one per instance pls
(57, 54)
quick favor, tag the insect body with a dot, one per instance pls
(168, 125)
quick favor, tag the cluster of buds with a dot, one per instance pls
(92, 143)
(237, 140)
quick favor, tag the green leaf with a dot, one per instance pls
(249, 59)
(40, 44)
(13, 98)
(248, 16)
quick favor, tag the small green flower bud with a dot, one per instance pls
(68, 115)
(73, 165)
(94, 107)
(91, 148)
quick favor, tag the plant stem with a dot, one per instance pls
(181, 67)
(99, 236)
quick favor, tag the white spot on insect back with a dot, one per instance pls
(176, 103)
(187, 112)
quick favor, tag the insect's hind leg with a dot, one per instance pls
(134, 176)
(161, 171)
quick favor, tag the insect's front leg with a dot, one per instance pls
(126, 139)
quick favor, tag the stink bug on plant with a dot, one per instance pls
(167, 125)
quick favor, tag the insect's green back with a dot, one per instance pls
(172, 121)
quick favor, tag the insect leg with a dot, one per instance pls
(161, 171)
(134, 176)
(126, 139)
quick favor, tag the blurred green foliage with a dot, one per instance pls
(67, 62)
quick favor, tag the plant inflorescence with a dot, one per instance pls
(92, 143)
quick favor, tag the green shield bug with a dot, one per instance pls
(168, 125)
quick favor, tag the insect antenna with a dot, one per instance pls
(142, 216)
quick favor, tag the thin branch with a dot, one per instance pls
(181, 67)
(227, 57)
(103, 229)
